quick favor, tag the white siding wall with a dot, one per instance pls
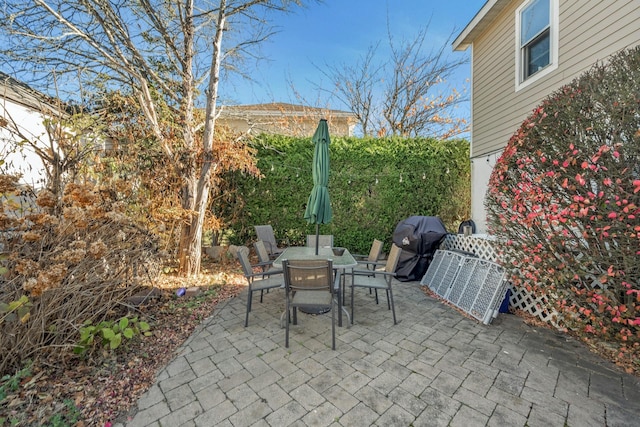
(590, 31)
(26, 161)
(481, 168)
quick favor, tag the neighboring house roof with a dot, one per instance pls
(22, 94)
(282, 108)
(479, 23)
(285, 119)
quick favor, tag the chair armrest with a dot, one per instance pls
(377, 263)
(262, 264)
(265, 273)
(387, 273)
(268, 245)
(336, 282)
(370, 272)
(371, 268)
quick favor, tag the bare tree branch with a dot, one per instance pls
(169, 53)
(405, 94)
(354, 85)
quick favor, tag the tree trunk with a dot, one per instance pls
(196, 198)
(188, 253)
(191, 248)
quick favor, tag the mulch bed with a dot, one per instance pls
(105, 387)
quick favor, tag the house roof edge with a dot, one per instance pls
(479, 23)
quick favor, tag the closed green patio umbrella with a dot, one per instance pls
(318, 209)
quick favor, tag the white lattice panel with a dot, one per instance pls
(481, 247)
(520, 299)
(491, 294)
(465, 294)
(536, 306)
(442, 271)
(474, 285)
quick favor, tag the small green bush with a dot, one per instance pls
(19, 309)
(109, 333)
(565, 197)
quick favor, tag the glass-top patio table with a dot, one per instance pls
(340, 262)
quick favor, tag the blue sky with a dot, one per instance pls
(340, 31)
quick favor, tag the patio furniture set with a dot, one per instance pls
(315, 277)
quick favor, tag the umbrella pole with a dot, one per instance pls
(317, 237)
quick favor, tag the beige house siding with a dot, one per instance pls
(493, 86)
(590, 31)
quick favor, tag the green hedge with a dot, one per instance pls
(373, 184)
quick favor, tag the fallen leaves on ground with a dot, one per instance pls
(100, 390)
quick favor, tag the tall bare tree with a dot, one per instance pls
(168, 53)
(355, 86)
(404, 94)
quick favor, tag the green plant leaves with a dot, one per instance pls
(12, 382)
(110, 333)
(123, 323)
(115, 341)
(16, 310)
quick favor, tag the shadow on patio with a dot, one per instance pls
(436, 367)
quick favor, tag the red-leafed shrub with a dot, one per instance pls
(564, 198)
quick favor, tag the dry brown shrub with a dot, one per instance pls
(46, 199)
(80, 266)
(8, 183)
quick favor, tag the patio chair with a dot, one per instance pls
(324, 240)
(264, 260)
(257, 280)
(370, 261)
(378, 280)
(310, 284)
(265, 233)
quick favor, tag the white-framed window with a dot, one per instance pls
(536, 40)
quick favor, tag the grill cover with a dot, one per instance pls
(419, 237)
